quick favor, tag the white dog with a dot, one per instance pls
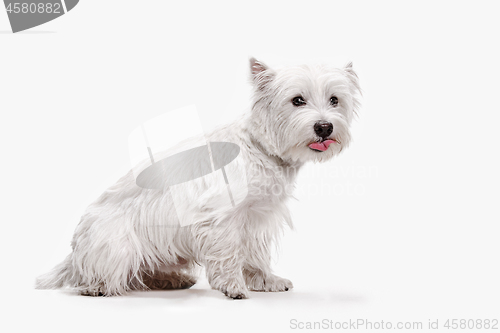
(125, 239)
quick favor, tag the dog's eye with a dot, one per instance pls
(298, 101)
(334, 101)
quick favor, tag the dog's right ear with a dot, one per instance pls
(352, 76)
(260, 73)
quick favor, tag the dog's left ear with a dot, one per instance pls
(261, 74)
(352, 76)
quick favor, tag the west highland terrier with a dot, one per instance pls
(125, 240)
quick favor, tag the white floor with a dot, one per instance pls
(200, 308)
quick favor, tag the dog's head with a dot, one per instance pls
(303, 113)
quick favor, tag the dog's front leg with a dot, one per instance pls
(257, 269)
(226, 276)
(223, 262)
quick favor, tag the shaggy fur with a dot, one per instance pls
(129, 239)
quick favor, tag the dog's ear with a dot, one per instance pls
(352, 76)
(261, 74)
(348, 68)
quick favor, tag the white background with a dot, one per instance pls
(405, 226)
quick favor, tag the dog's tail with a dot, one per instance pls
(58, 277)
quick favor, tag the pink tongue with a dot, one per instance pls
(321, 146)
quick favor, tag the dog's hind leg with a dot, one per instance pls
(178, 276)
(165, 281)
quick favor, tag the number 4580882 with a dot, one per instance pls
(471, 324)
(24, 8)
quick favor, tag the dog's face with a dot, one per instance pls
(303, 113)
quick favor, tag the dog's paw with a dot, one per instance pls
(271, 283)
(92, 291)
(236, 294)
(234, 291)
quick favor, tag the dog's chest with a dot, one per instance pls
(271, 183)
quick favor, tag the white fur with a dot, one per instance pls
(128, 238)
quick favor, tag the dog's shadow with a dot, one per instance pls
(187, 295)
(287, 297)
(158, 294)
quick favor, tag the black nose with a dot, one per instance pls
(323, 129)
